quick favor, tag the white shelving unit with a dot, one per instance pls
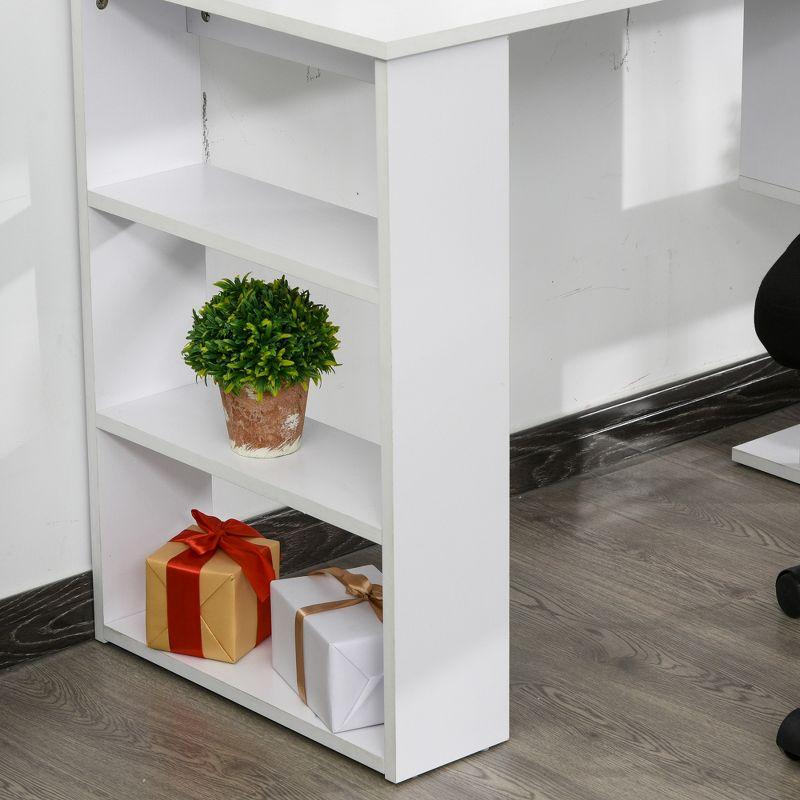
(394, 210)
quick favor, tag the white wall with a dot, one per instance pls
(43, 503)
(635, 256)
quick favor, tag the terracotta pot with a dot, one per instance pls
(265, 428)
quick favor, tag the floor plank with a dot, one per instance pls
(649, 660)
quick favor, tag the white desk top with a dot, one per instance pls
(393, 28)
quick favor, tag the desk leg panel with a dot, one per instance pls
(443, 173)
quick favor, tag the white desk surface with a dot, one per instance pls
(388, 29)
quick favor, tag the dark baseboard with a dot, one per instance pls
(640, 424)
(48, 619)
(306, 541)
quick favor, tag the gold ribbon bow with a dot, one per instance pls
(362, 591)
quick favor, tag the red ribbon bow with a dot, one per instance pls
(229, 536)
(183, 576)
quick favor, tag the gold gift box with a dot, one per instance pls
(228, 603)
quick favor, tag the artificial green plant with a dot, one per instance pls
(264, 336)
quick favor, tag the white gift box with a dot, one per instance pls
(343, 650)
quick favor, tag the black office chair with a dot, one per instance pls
(777, 315)
(777, 319)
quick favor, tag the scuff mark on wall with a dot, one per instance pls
(637, 381)
(623, 61)
(206, 143)
(582, 289)
(312, 73)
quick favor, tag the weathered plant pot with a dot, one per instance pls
(265, 428)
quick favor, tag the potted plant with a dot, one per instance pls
(262, 343)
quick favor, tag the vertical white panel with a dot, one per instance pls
(144, 286)
(144, 500)
(770, 101)
(142, 81)
(76, 19)
(444, 238)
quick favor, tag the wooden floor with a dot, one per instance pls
(649, 660)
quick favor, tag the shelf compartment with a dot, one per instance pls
(253, 683)
(290, 232)
(334, 476)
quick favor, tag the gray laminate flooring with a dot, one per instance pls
(649, 660)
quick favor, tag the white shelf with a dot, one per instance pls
(256, 221)
(254, 684)
(777, 454)
(334, 476)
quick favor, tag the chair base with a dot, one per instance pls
(777, 454)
